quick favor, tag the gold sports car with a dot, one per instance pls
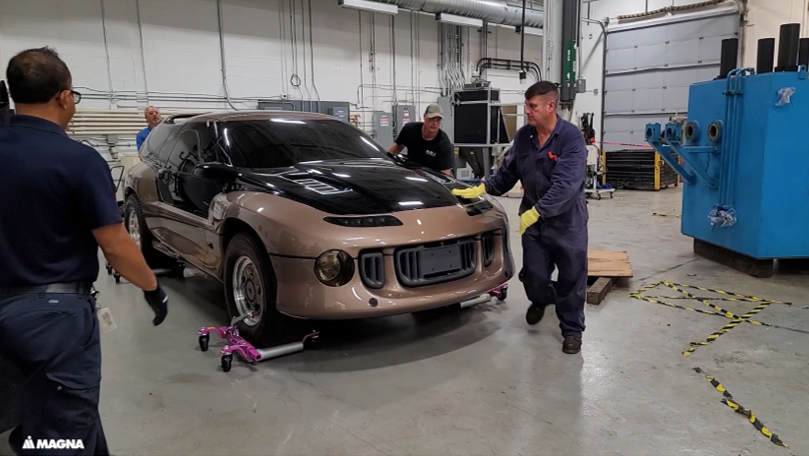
(304, 215)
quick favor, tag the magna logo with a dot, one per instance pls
(53, 444)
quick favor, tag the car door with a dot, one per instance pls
(154, 153)
(200, 187)
(185, 225)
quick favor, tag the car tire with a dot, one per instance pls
(250, 285)
(135, 225)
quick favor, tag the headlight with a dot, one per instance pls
(334, 268)
(365, 222)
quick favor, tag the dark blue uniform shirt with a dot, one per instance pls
(53, 192)
(552, 176)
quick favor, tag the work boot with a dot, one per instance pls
(534, 314)
(572, 344)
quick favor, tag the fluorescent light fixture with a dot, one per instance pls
(367, 5)
(534, 31)
(410, 203)
(458, 20)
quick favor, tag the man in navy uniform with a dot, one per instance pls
(549, 158)
(57, 207)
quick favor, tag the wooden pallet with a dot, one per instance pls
(756, 267)
(604, 267)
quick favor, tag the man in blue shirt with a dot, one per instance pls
(57, 207)
(549, 159)
(152, 118)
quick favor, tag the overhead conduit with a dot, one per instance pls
(128, 123)
(494, 11)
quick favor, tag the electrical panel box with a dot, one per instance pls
(402, 115)
(339, 112)
(383, 128)
(470, 118)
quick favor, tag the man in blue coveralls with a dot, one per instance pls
(57, 207)
(152, 118)
(550, 160)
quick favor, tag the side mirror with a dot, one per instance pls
(216, 171)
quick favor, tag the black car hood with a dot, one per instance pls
(356, 187)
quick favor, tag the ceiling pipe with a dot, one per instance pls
(492, 11)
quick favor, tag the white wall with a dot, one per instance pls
(180, 52)
(763, 20)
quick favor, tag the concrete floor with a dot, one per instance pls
(477, 381)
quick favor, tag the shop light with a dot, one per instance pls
(459, 20)
(367, 5)
(533, 31)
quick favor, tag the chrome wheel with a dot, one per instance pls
(134, 227)
(248, 293)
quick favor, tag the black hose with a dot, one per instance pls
(508, 64)
(522, 43)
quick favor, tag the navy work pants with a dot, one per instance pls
(545, 246)
(55, 341)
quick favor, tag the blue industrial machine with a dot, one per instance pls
(743, 155)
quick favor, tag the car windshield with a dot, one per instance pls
(280, 142)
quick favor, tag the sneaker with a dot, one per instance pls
(534, 314)
(572, 344)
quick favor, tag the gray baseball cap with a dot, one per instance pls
(433, 111)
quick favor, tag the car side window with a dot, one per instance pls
(155, 141)
(185, 154)
(208, 150)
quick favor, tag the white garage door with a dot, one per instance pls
(651, 64)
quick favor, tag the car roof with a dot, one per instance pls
(235, 116)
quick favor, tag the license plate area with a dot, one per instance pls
(426, 265)
(440, 260)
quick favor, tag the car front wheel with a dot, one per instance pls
(136, 227)
(250, 287)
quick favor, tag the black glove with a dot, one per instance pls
(158, 300)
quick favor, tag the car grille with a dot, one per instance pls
(372, 269)
(435, 263)
(487, 243)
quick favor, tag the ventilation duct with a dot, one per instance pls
(493, 11)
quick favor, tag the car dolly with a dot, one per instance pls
(245, 350)
(500, 292)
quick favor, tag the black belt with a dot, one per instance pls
(53, 288)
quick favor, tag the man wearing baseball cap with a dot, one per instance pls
(427, 145)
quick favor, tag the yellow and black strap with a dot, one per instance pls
(705, 300)
(725, 329)
(730, 402)
(728, 293)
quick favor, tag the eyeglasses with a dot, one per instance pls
(76, 95)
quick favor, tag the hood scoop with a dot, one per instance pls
(317, 185)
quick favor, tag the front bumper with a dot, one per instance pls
(301, 294)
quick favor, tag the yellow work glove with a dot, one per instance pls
(469, 193)
(528, 218)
